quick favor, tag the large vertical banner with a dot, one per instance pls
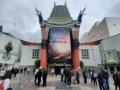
(59, 46)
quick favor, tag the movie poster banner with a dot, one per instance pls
(59, 43)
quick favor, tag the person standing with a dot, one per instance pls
(68, 77)
(116, 79)
(62, 74)
(100, 80)
(78, 76)
(85, 77)
(106, 79)
(36, 76)
(39, 74)
(95, 78)
(44, 71)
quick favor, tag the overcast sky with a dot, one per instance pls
(18, 17)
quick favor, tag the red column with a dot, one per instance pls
(76, 61)
(43, 61)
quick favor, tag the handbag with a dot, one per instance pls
(1, 86)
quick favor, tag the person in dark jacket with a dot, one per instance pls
(39, 75)
(85, 77)
(106, 79)
(100, 80)
(44, 76)
(78, 76)
(68, 77)
(116, 79)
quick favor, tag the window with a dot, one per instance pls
(85, 54)
(35, 53)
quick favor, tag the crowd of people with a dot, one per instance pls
(69, 76)
(100, 78)
(5, 79)
(40, 76)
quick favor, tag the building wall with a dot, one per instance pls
(112, 45)
(94, 55)
(108, 27)
(113, 24)
(26, 55)
(15, 53)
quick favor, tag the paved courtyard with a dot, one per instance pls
(26, 82)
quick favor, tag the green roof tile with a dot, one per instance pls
(60, 15)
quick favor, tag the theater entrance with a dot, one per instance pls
(58, 69)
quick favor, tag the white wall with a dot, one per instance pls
(26, 56)
(113, 24)
(14, 54)
(111, 43)
(94, 55)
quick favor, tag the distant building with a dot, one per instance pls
(106, 33)
(108, 27)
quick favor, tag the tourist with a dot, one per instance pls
(77, 76)
(6, 81)
(62, 74)
(21, 70)
(116, 79)
(25, 69)
(73, 76)
(39, 74)
(100, 80)
(36, 75)
(95, 78)
(85, 76)
(28, 71)
(105, 79)
(91, 75)
(68, 77)
(65, 74)
(44, 76)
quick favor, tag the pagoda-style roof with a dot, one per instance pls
(60, 16)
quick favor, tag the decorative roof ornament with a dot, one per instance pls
(65, 3)
(54, 3)
(39, 17)
(80, 16)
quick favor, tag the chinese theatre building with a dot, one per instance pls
(60, 46)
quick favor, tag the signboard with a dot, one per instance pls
(59, 47)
